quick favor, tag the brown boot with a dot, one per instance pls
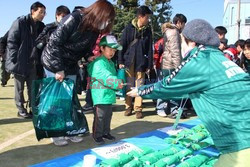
(138, 115)
(128, 112)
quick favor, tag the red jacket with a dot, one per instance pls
(158, 50)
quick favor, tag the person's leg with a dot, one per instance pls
(19, 97)
(235, 159)
(161, 105)
(98, 124)
(29, 81)
(130, 76)
(107, 121)
(140, 76)
(89, 102)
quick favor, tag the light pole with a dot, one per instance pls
(238, 20)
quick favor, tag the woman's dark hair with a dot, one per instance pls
(95, 15)
(62, 10)
(36, 5)
(243, 57)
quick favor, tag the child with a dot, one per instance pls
(103, 85)
(246, 56)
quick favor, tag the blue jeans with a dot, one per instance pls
(165, 105)
(51, 74)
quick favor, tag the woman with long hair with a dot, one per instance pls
(74, 39)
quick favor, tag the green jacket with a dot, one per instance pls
(220, 94)
(104, 81)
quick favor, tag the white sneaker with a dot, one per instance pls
(74, 139)
(59, 141)
(161, 113)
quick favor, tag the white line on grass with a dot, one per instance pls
(17, 138)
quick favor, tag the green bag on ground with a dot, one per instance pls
(56, 109)
(121, 74)
(167, 161)
(194, 161)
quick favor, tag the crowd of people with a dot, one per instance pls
(192, 62)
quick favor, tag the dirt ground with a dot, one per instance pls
(19, 146)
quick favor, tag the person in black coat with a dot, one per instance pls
(43, 38)
(74, 39)
(4, 75)
(20, 41)
(136, 55)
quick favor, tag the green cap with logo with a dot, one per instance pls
(110, 41)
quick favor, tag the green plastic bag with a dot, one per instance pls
(194, 161)
(56, 109)
(121, 74)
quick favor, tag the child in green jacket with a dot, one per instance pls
(104, 83)
(219, 90)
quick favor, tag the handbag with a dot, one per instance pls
(56, 109)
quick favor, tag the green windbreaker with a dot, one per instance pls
(104, 81)
(220, 94)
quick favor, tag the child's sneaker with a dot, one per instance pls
(99, 140)
(109, 137)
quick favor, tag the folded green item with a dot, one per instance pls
(151, 158)
(198, 136)
(185, 142)
(169, 151)
(183, 153)
(194, 161)
(198, 128)
(210, 162)
(134, 163)
(171, 140)
(116, 162)
(200, 145)
(137, 154)
(170, 160)
(110, 163)
(184, 133)
(124, 158)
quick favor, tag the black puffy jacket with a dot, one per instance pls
(20, 42)
(67, 45)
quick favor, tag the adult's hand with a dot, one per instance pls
(121, 65)
(60, 76)
(133, 92)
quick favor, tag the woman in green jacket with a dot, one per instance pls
(219, 90)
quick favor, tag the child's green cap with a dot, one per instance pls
(110, 41)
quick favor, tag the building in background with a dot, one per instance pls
(230, 19)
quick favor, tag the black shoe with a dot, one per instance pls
(31, 114)
(109, 137)
(99, 140)
(23, 114)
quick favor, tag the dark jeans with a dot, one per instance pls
(19, 83)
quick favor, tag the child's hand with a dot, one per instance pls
(120, 85)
